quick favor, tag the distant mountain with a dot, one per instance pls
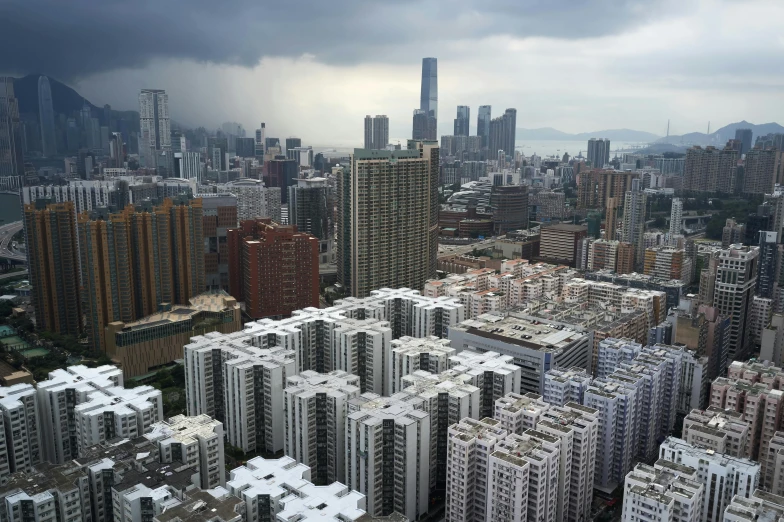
(64, 99)
(720, 137)
(548, 133)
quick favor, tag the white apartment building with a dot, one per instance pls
(240, 385)
(362, 347)
(520, 471)
(612, 352)
(723, 431)
(196, 442)
(517, 413)
(399, 428)
(81, 407)
(647, 382)
(775, 461)
(315, 408)
(448, 397)
(494, 374)
(761, 313)
(578, 428)
(569, 385)
(470, 443)
(618, 430)
(20, 436)
(762, 506)
(722, 476)
(668, 493)
(410, 354)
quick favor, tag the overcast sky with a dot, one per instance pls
(314, 68)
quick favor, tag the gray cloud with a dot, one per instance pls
(76, 38)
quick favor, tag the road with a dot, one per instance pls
(7, 232)
(11, 275)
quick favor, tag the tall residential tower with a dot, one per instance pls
(154, 127)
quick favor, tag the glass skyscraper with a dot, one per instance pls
(428, 100)
(483, 124)
(46, 115)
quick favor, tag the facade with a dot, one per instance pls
(483, 124)
(254, 200)
(732, 233)
(761, 506)
(136, 259)
(759, 171)
(315, 407)
(196, 442)
(53, 261)
(395, 243)
(710, 170)
(676, 217)
(722, 476)
(559, 242)
(767, 274)
(502, 134)
(736, 279)
(154, 125)
(613, 352)
(563, 386)
(11, 135)
(388, 444)
(772, 343)
(272, 268)
(158, 339)
(596, 186)
(463, 120)
(516, 413)
(635, 207)
(219, 214)
(21, 440)
(665, 262)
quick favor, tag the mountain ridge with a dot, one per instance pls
(549, 133)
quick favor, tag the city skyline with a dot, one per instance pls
(687, 86)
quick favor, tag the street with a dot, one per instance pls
(7, 233)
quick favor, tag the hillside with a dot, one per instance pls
(723, 134)
(548, 133)
(65, 99)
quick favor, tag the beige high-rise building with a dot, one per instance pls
(388, 218)
(759, 171)
(710, 170)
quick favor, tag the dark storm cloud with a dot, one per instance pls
(76, 38)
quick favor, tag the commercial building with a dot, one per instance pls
(310, 207)
(136, 259)
(154, 125)
(158, 339)
(559, 243)
(196, 442)
(510, 208)
(272, 268)
(53, 261)
(470, 443)
(428, 99)
(388, 456)
(387, 225)
(536, 346)
(722, 476)
(502, 134)
(665, 492)
(315, 408)
(736, 279)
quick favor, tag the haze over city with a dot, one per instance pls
(314, 69)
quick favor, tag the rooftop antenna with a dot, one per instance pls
(708, 127)
(668, 128)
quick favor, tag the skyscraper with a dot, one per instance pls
(510, 208)
(154, 126)
(420, 123)
(11, 136)
(292, 143)
(377, 132)
(388, 218)
(483, 124)
(710, 169)
(768, 259)
(744, 137)
(634, 209)
(136, 259)
(309, 207)
(502, 133)
(676, 217)
(736, 279)
(53, 260)
(428, 99)
(598, 152)
(463, 120)
(46, 117)
(759, 171)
